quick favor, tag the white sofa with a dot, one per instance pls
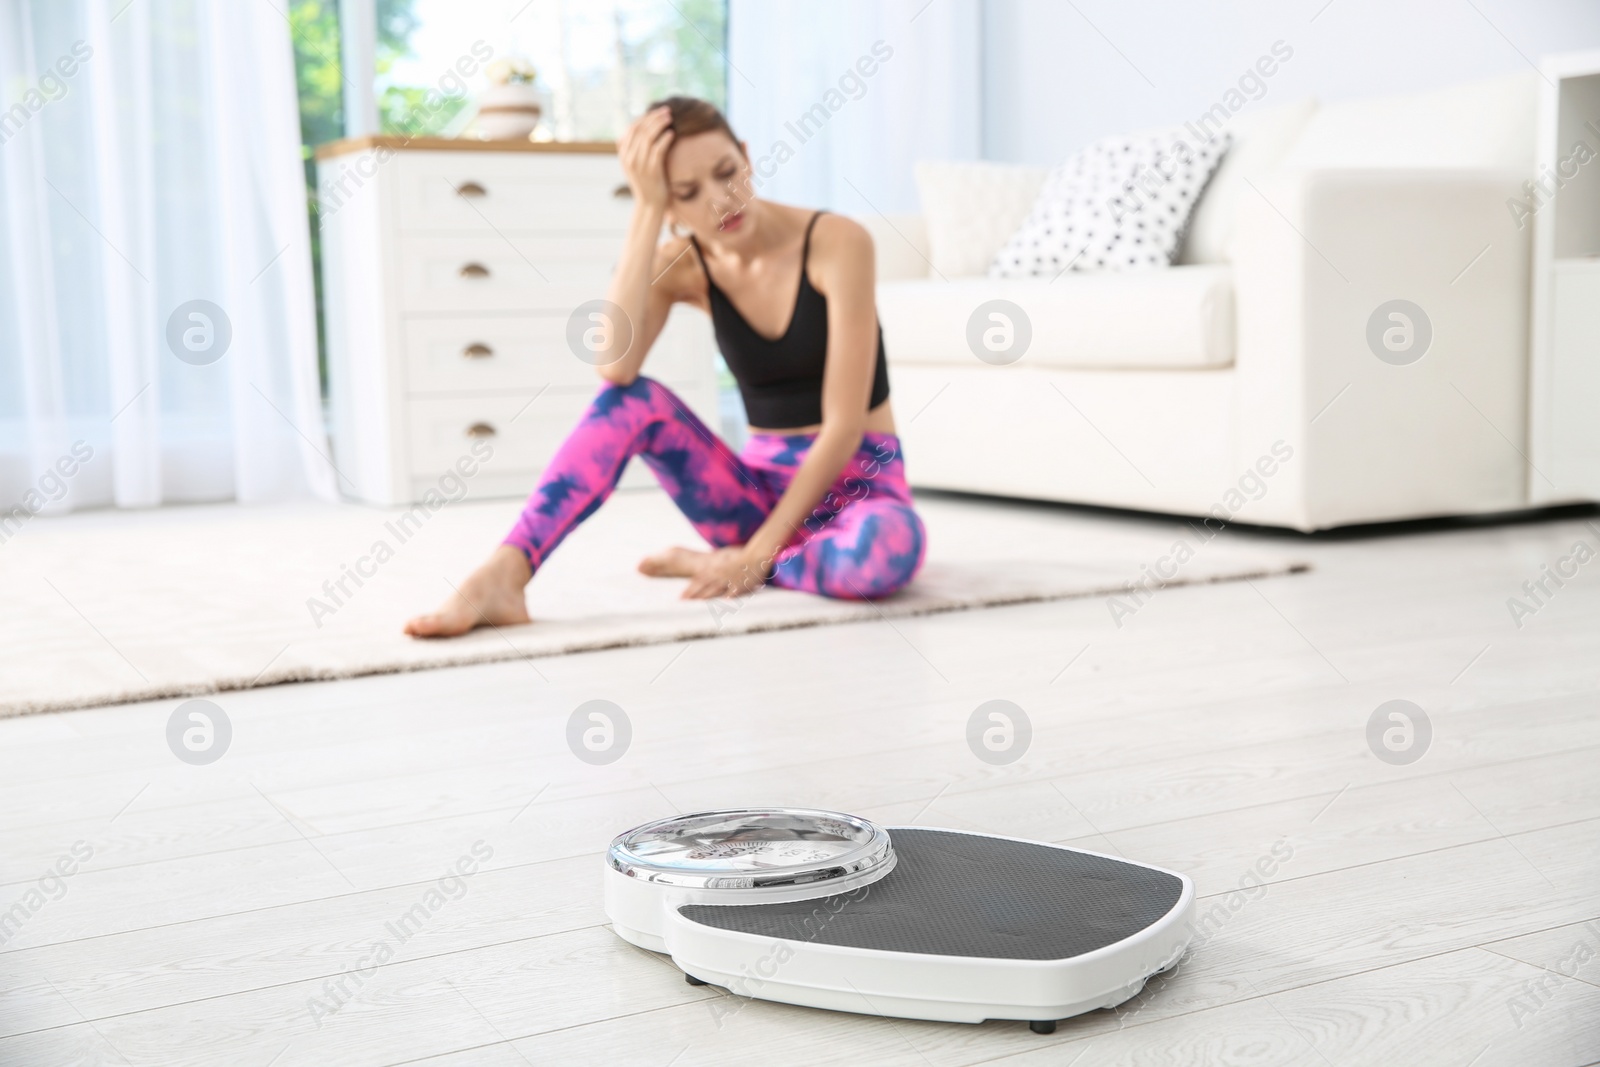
(1240, 384)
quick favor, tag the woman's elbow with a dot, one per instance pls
(617, 374)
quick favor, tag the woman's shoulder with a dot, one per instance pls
(839, 230)
(839, 241)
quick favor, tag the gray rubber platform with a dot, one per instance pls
(956, 894)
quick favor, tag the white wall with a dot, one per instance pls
(1057, 75)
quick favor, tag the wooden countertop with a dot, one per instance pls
(402, 143)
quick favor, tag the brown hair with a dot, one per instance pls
(691, 116)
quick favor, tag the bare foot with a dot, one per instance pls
(490, 595)
(672, 563)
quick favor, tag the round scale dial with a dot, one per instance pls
(751, 848)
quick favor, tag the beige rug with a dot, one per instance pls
(108, 607)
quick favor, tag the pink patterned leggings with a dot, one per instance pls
(862, 541)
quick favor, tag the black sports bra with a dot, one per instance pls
(781, 380)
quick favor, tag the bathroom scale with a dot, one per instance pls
(829, 910)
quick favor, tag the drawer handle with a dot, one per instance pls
(480, 429)
(474, 270)
(623, 192)
(477, 350)
(471, 189)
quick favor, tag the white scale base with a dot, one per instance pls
(1070, 931)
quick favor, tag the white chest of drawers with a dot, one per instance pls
(450, 270)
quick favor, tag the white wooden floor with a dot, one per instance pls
(1443, 912)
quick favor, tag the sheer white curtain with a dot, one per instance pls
(857, 92)
(153, 203)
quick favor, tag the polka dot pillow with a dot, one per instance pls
(1123, 203)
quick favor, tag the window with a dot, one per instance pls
(599, 62)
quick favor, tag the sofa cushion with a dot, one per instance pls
(971, 209)
(1121, 203)
(1261, 138)
(1176, 318)
(900, 244)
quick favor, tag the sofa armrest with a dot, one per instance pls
(901, 243)
(1318, 253)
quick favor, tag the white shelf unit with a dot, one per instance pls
(450, 270)
(1565, 370)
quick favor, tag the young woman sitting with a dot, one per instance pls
(817, 499)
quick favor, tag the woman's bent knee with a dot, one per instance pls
(641, 393)
(888, 553)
